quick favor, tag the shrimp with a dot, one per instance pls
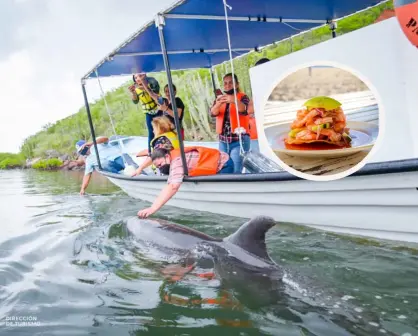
(331, 134)
(340, 115)
(321, 111)
(306, 135)
(320, 121)
(308, 119)
(300, 114)
(339, 126)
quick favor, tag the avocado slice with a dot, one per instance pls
(315, 128)
(347, 137)
(325, 102)
(295, 131)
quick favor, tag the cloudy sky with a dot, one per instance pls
(47, 46)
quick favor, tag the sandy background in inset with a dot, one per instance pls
(320, 82)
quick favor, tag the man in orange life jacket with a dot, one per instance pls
(227, 121)
(200, 161)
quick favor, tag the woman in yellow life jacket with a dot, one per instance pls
(165, 137)
(146, 91)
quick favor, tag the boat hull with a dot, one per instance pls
(383, 206)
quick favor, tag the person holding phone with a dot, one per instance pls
(227, 120)
(146, 91)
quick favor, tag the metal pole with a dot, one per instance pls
(86, 102)
(213, 81)
(179, 52)
(159, 21)
(241, 18)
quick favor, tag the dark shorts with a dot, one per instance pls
(115, 166)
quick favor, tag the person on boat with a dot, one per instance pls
(110, 158)
(167, 108)
(227, 122)
(165, 137)
(146, 90)
(200, 161)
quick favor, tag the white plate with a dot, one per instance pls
(364, 136)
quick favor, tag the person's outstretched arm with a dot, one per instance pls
(147, 162)
(165, 195)
(85, 184)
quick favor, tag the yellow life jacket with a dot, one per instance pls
(170, 136)
(148, 104)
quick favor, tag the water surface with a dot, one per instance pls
(66, 263)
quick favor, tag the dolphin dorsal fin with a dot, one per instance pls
(251, 236)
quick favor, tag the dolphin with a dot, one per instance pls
(246, 246)
(240, 260)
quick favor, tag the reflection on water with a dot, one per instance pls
(65, 182)
(66, 260)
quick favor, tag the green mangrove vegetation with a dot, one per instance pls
(11, 160)
(47, 164)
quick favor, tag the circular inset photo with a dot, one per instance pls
(322, 122)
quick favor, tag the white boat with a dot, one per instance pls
(380, 200)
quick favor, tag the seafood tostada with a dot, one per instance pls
(321, 124)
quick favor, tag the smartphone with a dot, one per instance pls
(84, 151)
(160, 100)
(218, 93)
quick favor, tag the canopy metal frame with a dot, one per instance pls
(175, 52)
(160, 23)
(249, 18)
(86, 102)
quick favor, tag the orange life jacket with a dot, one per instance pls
(253, 129)
(243, 119)
(207, 163)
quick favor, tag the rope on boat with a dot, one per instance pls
(108, 110)
(233, 74)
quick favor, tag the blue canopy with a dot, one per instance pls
(195, 32)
